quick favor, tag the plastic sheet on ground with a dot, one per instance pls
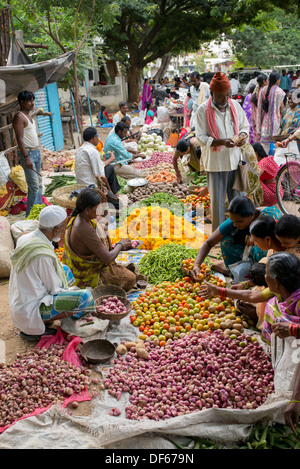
(53, 428)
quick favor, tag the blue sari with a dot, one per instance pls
(232, 251)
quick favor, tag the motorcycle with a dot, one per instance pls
(238, 98)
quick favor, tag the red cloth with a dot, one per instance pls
(270, 168)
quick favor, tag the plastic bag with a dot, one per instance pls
(4, 169)
(162, 114)
(240, 270)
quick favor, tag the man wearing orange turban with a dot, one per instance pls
(221, 127)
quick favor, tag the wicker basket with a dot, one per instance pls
(112, 316)
(61, 196)
(108, 290)
(97, 351)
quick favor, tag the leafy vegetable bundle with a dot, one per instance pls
(164, 263)
(59, 181)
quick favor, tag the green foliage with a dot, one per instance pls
(272, 40)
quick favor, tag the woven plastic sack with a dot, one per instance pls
(6, 246)
(23, 227)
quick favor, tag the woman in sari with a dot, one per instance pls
(150, 113)
(290, 122)
(282, 311)
(262, 80)
(146, 94)
(268, 169)
(247, 108)
(270, 107)
(87, 249)
(233, 235)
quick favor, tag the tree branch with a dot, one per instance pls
(48, 32)
(87, 28)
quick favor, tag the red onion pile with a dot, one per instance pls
(192, 373)
(112, 305)
(36, 379)
(157, 157)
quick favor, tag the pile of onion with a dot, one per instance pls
(37, 379)
(196, 372)
(112, 305)
(157, 157)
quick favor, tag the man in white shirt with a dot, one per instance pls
(89, 168)
(235, 85)
(40, 288)
(199, 91)
(221, 129)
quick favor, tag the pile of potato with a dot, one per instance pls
(174, 188)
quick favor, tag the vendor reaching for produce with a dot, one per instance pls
(123, 159)
(39, 286)
(88, 251)
(89, 168)
(187, 145)
(233, 235)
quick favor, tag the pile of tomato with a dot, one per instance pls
(188, 264)
(59, 252)
(195, 200)
(171, 310)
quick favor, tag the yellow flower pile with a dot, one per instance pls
(156, 226)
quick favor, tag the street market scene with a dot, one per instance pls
(150, 224)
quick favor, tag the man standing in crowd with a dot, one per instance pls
(284, 81)
(199, 91)
(123, 159)
(220, 122)
(235, 85)
(28, 147)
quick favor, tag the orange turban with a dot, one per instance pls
(219, 83)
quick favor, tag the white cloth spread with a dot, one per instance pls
(30, 137)
(226, 159)
(34, 285)
(88, 164)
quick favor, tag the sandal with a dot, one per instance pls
(32, 338)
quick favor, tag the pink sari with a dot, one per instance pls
(146, 96)
(268, 124)
(288, 310)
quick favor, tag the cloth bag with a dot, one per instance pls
(240, 270)
(241, 182)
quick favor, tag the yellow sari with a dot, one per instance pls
(86, 269)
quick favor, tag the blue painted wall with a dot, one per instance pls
(50, 127)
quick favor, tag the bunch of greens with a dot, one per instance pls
(164, 263)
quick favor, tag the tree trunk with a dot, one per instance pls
(134, 75)
(165, 62)
(77, 97)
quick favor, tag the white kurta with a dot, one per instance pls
(34, 285)
(88, 164)
(226, 159)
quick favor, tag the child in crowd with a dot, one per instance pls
(287, 231)
(268, 169)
